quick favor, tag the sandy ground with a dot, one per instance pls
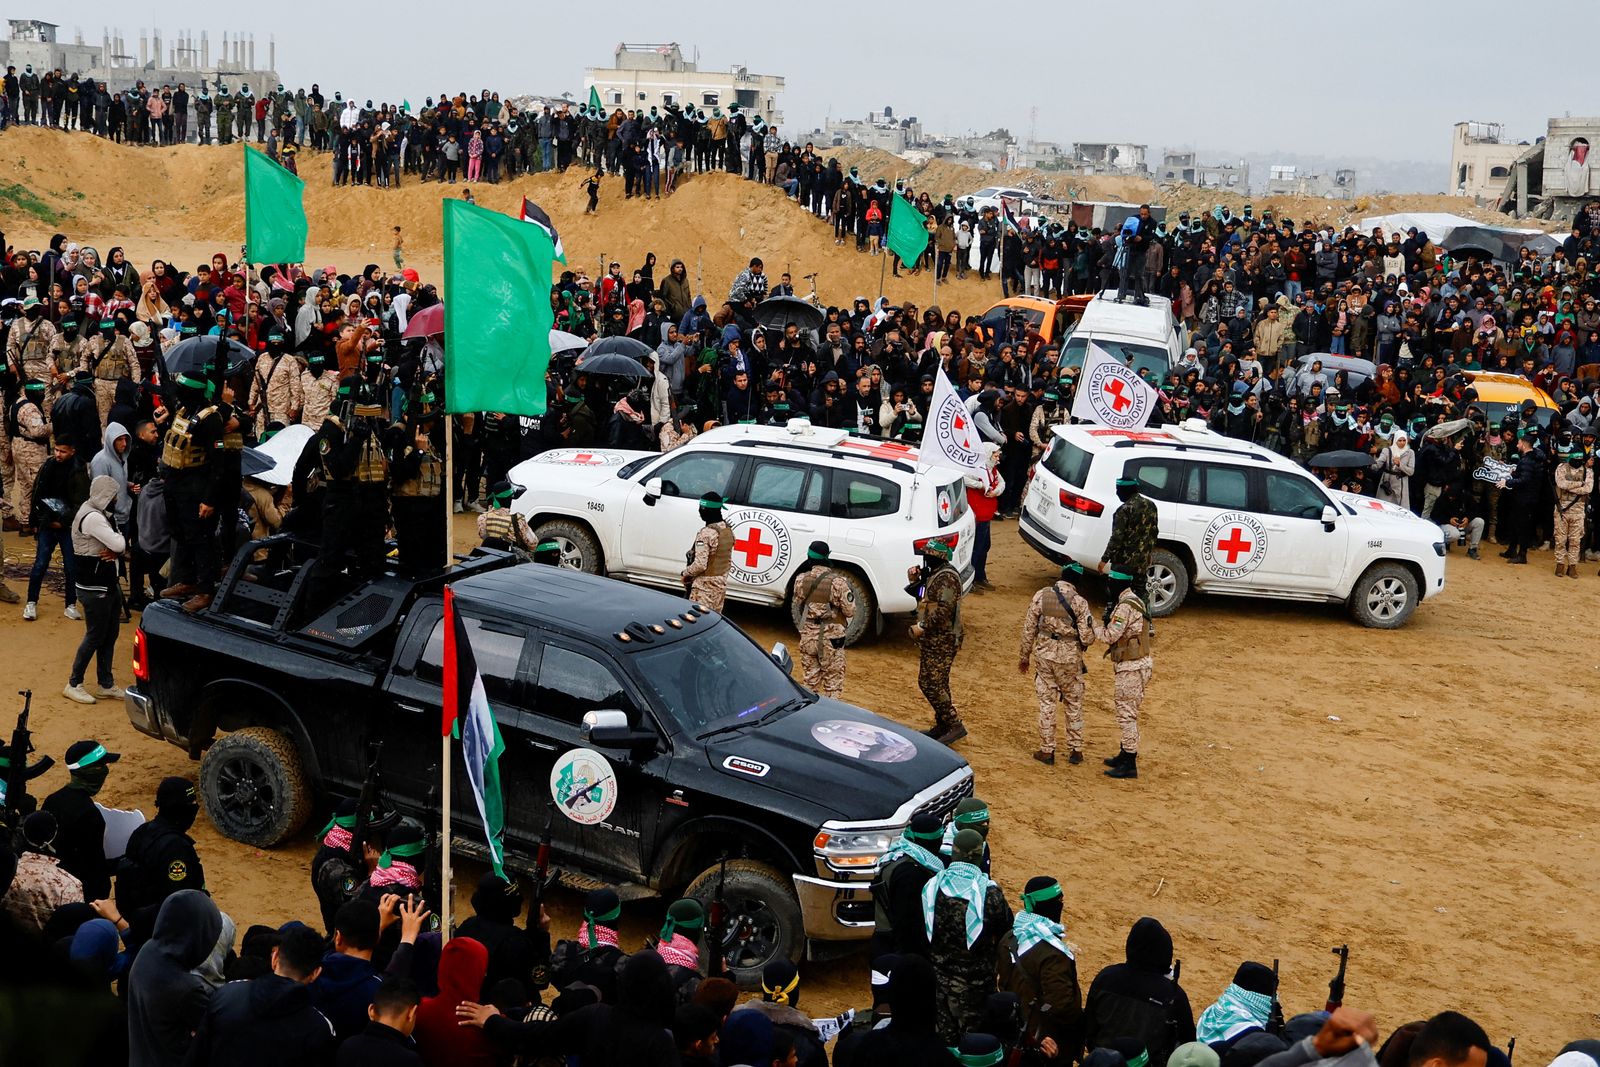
(1439, 826)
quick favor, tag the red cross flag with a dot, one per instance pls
(949, 431)
(1111, 393)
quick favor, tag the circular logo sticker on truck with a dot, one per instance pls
(762, 548)
(583, 786)
(1234, 545)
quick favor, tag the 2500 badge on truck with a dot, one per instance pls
(664, 737)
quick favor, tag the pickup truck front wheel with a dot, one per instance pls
(254, 787)
(579, 550)
(763, 916)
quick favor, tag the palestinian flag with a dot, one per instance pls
(467, 715)
(537, 215)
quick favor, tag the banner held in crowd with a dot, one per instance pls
(274, 211)
(497, 326)
(1111, 393)
(949, 431)
(908, 230)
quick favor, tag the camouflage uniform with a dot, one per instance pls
(1573, 486)
(965, 976)
(504, 528)
(827, 606)
(708, 565)
(29, 351)
(117, 362)
(30, 447)
(277, 389)
(1129, 636)
(1058, 628)
(939, 616)
(1133, 537)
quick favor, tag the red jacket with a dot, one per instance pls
(984, 506)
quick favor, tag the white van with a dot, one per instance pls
(1146, 338)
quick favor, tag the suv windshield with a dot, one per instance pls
(1144, 357)
(718, 676)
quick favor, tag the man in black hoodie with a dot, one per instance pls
(166, 999)
(269, 1021)
(911, 1039)
(1137, 998)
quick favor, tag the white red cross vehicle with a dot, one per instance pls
(1235, 519)
(633, 515)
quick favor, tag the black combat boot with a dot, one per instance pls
(1127, 769)
(1119, 759)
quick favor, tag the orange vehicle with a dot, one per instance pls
(1050, 319)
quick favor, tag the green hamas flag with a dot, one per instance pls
(908, 234)
(498, 317)
(274, 216)
(594, 99)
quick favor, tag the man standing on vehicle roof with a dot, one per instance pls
(1058, 627)
(502, 528)
(1133, 535)
(1129, 640)
(706, 576)
(190, 472)
(937, 587)
(826, 608)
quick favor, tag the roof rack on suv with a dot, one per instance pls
(1185, 446)
(834, 451)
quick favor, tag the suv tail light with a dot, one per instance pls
(1081, 504)
(953, 538)
(141, 656)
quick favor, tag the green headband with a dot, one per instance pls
(507, 494)
(345, 822)
(967, 818)
(713, 505)
(987, 1059)
(604, 917)
(1071, 568)
(820, 557)
(547, 546)
(932, 835)
(1127, 483)
(195, 383)
(1039, 896)
(936, 547)
(1119, 576)
(401, 852)
(1141, 1059)
(94, 755)
(674, 924)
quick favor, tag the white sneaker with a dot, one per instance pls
(78, 693)
(73, 613)
(107, 692)
(30, 611)
(458, 508)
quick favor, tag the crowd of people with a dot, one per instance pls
(145, 967)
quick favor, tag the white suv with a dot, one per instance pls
(1234, 519)
(633, 515)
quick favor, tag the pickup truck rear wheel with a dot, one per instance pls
(861, 623)
(1167, 582)
(1384, 596)
(579, 550)
(764, 921)
(254, 787)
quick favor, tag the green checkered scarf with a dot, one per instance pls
(906, 847)
(964, 882)
(1236, 1011)
(1030, 929)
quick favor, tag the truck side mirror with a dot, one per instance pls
(609, 728)
(652, 492)
(1330, 517)
(780, 656)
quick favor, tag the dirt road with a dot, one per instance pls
(1422, 795)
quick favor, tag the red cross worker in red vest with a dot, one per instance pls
(705, 579)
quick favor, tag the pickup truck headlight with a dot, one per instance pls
(853, 849)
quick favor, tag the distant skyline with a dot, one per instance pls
(1366, 78)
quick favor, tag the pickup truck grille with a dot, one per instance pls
(942, 805)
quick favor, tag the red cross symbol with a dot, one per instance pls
(887, 449)
(1119, 400)
(1235, 546)
(586, 457)
(754, 548)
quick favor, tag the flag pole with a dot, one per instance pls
(883, 242)
(445, 875)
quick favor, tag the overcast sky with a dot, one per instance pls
(1364, 78)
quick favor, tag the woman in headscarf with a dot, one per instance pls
(1395, 466)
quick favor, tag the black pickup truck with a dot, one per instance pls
(664, 737)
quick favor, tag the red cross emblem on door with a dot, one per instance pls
(1118, 390)
(753, 547)
(1234, 545)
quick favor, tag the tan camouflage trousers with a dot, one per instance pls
(1568, 536)
(105, 394)
(709, 592)
(820, 662)
(1059, 681)
(1127, 693)
(29, 457)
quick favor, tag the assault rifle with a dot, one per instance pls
(366, 805)
(717, 927)
(1275, 1013)
(542, 878)
(1336, 985)
(18, 773)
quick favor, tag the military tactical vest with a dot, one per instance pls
(817, 595)
(1133, 646)
(178, 449)
(428, 482)
(722, 555)
(373, 467)
(500, 526)
(1057, 608)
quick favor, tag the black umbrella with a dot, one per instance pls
(191, 355)
(776, 312)
(1341, 459)
(622, 356)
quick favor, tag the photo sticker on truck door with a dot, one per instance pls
(761, 548)
(583, 786)
(1234, 545)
